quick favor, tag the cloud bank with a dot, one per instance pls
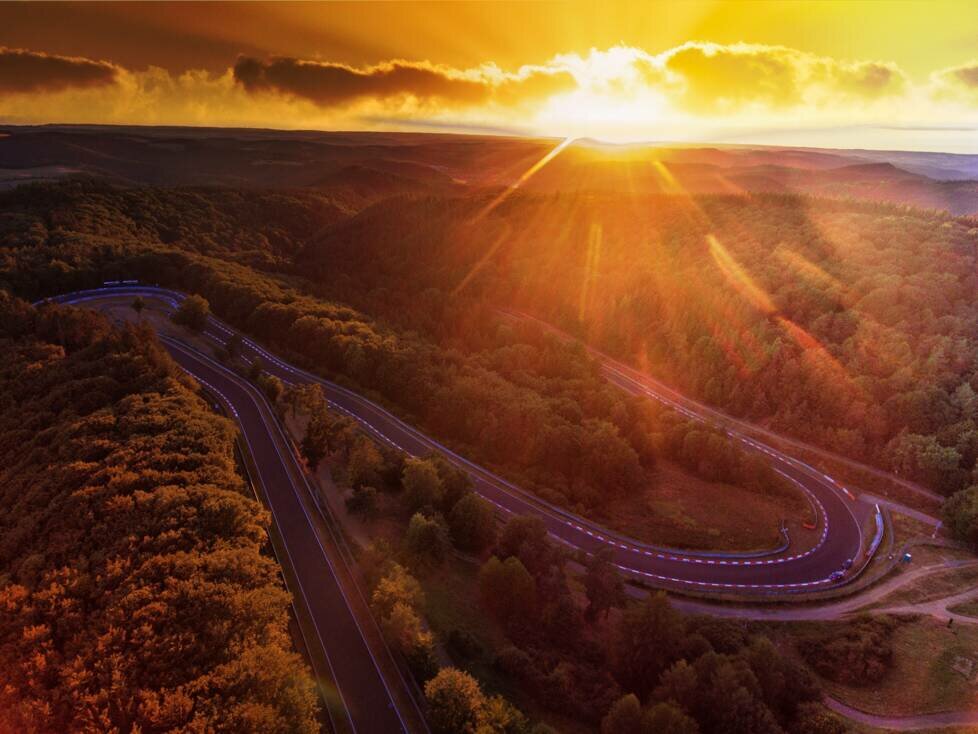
(690, 89)
(329, 84)
(31, 71)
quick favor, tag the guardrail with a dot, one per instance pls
(877, 536)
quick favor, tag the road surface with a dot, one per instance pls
(370, 705)
(790, 569)
(920, 722)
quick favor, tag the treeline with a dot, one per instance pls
(57, 228)
(516, 399)
(135, 593)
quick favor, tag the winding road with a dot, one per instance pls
(374, 695)
(364, 671)
(788, 569)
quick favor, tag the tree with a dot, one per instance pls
(291, 397)
(473, 523)
(646, 641)
(425, 541)
(257, 368)
(455, 482)
(365, 463)
(422, 485)
(525, 536)
(456, 703)
(397, 586)
(221, 637)
(784, 684)
(923, 458)
(624, 717)
(272, 387)
(507, 589)
(501, 717)
(363, 501)
(603, 585)
(813, 718)
(678, 683)
(137, 305)
(404, 630)
(960, 512)
(310, 398)
(315, 444)
(192, 313)
(666, 718)
(396, 603)
(729, 704)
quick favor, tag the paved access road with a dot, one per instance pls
(374, 698)
(363, 687)
(788, 570)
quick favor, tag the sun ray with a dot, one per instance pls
(524, 177)
(482, 213)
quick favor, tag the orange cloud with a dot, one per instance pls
(23, 71)
(715, 77)
(696, 91)
(958, 81)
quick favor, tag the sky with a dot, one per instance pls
(892, 75)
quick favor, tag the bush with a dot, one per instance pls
(192, 313)
(508, 590)
(852, 653)
(362, 501)
(961, 515)
(463, 644)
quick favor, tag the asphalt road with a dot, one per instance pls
(791, 569)
(354, 660)
(369, 703)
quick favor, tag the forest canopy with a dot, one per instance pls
(135, 590)
(847, 324)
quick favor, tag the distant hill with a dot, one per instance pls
(357, 169)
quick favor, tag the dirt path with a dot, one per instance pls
(904, 723)
(832, 610)
(938, 607)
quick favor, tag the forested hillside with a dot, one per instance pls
(514, 398)
(134, 591)
(851, 325)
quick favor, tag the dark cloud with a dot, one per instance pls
(33, 71)
(330, 84)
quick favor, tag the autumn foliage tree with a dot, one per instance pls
(137, 591)
(192, 313)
